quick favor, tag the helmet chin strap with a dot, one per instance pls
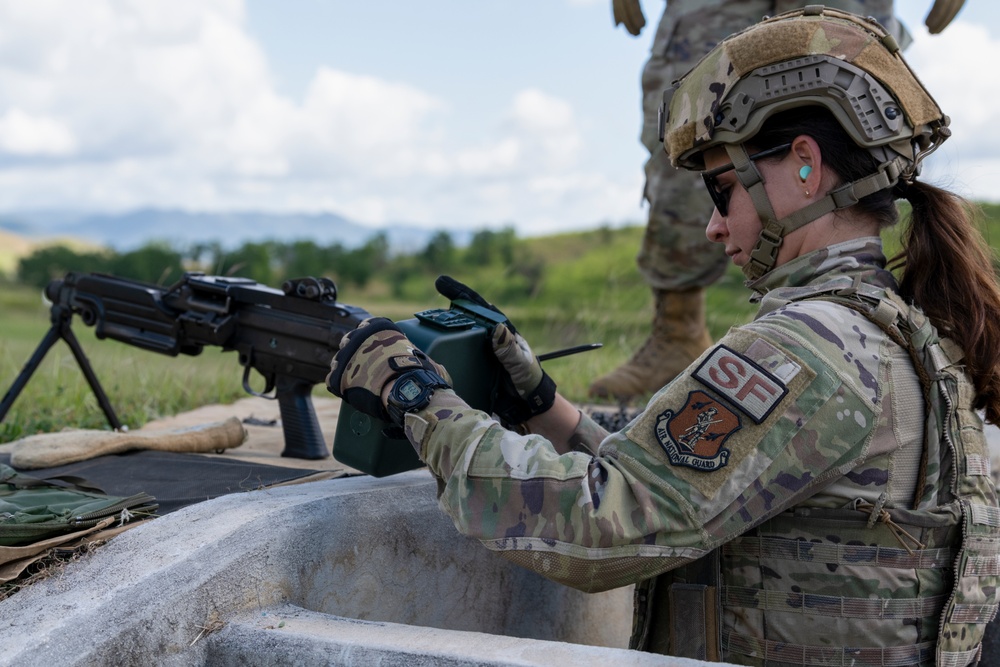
(765, 253)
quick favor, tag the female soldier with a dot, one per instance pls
(815, 489)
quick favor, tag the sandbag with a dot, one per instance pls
(47, 450)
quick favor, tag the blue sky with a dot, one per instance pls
(443, 113)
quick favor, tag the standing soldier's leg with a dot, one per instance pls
(676, 259)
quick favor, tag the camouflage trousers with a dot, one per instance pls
(675, 252)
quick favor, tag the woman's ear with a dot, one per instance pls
(808, 160)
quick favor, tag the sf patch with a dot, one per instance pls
(753, 390)
(694, 435)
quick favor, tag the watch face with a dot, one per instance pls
(409, 389)
(412, 391)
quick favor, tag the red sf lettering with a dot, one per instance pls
(721, 374)
(749, 387)
(754, 386)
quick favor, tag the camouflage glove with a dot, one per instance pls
(525, 389)
(370, 357)
(524, 375)
(941, 14)
(628, 12)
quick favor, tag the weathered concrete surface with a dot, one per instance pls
(351, 571)
(360, 548)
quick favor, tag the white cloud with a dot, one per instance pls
(114, 104)
(956, 66)
(125, 77)
(25, 135)
(171, 103)
(951, 66)
(550, 125)
(537, 135)
(360, 123)
(538, 112)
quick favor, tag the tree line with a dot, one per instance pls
(273, 262)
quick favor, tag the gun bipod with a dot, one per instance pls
(60, 330)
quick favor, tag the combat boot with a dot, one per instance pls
(679, 335)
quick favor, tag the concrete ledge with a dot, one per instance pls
(275, 635)
(375, 550)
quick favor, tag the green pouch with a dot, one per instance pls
(34, 509)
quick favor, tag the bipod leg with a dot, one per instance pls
(88, 372)
(48, 341)
(60, 329)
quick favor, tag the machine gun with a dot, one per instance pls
(289, 336)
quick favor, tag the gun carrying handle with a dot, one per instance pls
(303, 437)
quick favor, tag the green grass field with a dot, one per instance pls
(588, 291)
(597, 296)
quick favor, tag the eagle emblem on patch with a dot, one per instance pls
(694, 435)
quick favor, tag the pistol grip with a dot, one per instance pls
(303, 437)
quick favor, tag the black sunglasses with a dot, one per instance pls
(721, 197)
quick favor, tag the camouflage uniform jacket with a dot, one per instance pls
(792, 452)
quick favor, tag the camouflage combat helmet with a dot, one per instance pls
(813, 56)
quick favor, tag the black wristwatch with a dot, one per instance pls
(412, 392)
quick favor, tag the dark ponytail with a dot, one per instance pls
(948, 270)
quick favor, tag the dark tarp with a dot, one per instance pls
(174, 479)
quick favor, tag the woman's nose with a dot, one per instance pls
(716, 230)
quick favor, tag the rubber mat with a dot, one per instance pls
(175, 480)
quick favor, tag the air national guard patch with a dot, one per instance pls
(693, 436)
(753, 390)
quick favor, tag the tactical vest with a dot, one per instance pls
(919, 582)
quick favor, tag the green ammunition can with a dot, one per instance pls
(458, 338)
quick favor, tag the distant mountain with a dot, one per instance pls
(126, 231)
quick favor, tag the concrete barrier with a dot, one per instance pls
(352, 571)
(306, 568)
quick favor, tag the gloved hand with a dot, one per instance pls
(525, 389)
(628, 12)
(941, 14)
(533, 387)
(371, 356)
